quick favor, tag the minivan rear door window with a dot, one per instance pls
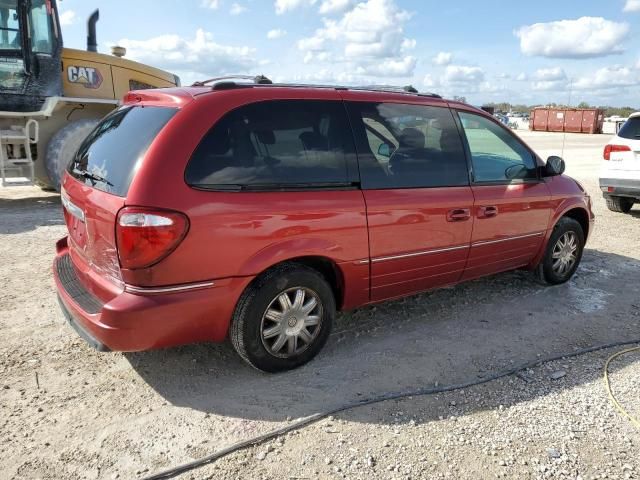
(407, 146)
(274, 145)
(109, 157)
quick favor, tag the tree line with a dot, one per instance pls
(609, 111)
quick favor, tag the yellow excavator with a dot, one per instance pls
(51, 97)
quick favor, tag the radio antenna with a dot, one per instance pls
(564, 128)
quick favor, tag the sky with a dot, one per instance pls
(542, 51)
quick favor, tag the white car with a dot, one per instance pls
(620, 172)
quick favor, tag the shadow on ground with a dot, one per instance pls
(448, 336)
(20, 215)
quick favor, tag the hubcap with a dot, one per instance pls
(565, 253)
(291, 322)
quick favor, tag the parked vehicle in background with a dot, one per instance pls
(620, 172)
(256, 211)
(501, 118)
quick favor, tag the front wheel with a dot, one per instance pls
(563, 253)
(283, 319)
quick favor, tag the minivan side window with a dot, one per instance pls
(496, 155)
(407, 146)
(276, 144)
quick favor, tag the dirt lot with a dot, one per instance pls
(68, 412)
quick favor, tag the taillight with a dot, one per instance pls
(609, 149)
(145, 236)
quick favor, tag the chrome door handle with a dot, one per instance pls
(487, 211)
(458, 215)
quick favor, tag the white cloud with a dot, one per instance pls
(369, 37)
(632, 6)
(442, 58)
(317, 57)
(198, 54)
(67, 17)
(212, 4)
(585, 37)
(311, 43)
(284, 6)
(402, 67)
(276, 33)
(522, 77)
(456, 74)
(237, 9)
(607, 78)
(550, 79)
(458, 79)
(549, 74)
(329, 7)
(430, 81)
(408, 44)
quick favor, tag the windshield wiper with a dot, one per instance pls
(93, 177)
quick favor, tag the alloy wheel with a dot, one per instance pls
(565, 253)
(291, 322)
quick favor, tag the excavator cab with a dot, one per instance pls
(30, 54)
(51, 97)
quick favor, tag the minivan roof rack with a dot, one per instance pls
(229, 82)
(256, 79)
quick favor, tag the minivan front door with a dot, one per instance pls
(512, 206)
(416, 187)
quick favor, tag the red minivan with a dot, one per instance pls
(256, 211)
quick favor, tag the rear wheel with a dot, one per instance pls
(619, 204)
(563, 253)
(283, 319)
(63, 146)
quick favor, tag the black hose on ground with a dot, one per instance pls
(297, 425)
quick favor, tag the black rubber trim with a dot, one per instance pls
(71, 284)
(86, 336)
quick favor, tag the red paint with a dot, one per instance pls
(383, 243)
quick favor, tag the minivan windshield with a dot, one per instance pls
(631, 129)
(109, 157)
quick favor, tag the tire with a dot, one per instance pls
(63, 146)
(549, 271)
(260, 310)
(619, 204)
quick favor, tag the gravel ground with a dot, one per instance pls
(68, 412)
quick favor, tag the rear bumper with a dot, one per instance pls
(620, 187)
(132, 322)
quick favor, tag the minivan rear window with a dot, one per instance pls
(109, 156)
(279, 144)
(631, 129)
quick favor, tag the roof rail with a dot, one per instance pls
(410, 89)
(229, 82)
(256, 79)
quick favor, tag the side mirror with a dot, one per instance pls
(519, 170)
(555, 166)
(384, 150)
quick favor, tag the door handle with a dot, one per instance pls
(488, 211)
(458, 215)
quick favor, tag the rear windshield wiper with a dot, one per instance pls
(93, 177)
